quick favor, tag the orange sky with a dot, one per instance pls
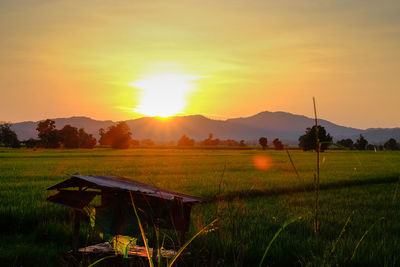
(66, 58)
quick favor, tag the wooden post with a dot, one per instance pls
(75, 237)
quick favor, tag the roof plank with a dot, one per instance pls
(122, 184)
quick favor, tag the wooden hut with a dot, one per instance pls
(156, 207)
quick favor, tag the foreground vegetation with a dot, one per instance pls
(252, 192)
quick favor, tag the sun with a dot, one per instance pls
(164, 95)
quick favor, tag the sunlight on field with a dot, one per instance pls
(253, 203)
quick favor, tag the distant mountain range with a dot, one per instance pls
(286, 126)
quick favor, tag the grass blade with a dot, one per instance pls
(100, 260)
(341, 233)
(190, 240)
(290, 221)
(292, 163)
(338, 238)
(363, 236)
(142, 232)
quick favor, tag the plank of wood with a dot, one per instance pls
(138, 251)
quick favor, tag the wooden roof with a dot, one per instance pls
(116, 183)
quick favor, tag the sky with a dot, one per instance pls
(232, 58)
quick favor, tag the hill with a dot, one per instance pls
(283, 125)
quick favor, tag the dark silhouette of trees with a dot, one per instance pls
(263, 141)
(210, 141)
(8, 137)
(277, 144)
(348, 143)
(308, 141)
(118, 136)
(69, 136)
(370, 147)
(242, 143)
(391, 144)
(86, 140)
(147, 142)
(48, 134)
(361, 143)
(31, 143)
(217, 142)
(229, 142)
(185, 141)
(134, 142)
(105, 139)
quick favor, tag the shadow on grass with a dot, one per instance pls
(303, 189)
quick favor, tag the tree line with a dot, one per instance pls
(185, 141)
(317, 138)
(68, 137)
(119, 136)
(49, 137)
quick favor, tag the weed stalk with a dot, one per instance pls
(316, 176)
(142, 232)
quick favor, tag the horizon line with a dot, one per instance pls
(214, 117)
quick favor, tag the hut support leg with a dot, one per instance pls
(75, 240)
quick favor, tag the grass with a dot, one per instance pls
(252, 205)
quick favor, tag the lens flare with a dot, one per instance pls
(262, 163)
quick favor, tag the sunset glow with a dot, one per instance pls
(164, 95)
(124, 61)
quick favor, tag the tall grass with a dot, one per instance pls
(292, 220)
(34, 232)
(179, 252)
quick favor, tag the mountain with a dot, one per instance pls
(382, 134)
(286, 126)
(289, 126)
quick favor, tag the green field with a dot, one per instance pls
(252, 204)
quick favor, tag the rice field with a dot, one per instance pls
(252, 193)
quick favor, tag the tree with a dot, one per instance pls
(48, 134)
(134, 142)
(277, 144)
(242, 143)
(210, 141)
(308, 141)
(229, 142)
(361, 143)
(263, 141)
(86, 140)
(185, 141)
(348, 143)
(118, 136)
(370, 147)
(8, 137)
(31, 143)
(105, 139)
(391, 144)
(147, 142)
(69, 136)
